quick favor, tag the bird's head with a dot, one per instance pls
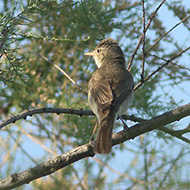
(107, 50)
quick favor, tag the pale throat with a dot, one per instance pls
(97, 61)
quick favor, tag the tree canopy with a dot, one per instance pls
(46, 122)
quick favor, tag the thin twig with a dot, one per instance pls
(183, 131)
(124, 175)
(38, 142)
(160, 186)
(143, 43)
(178, 133)
(158, 40)
(177, 65)
(161, 67)
(140, 39)
(45, 58)
(175, 134)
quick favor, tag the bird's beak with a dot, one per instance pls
(89, 53)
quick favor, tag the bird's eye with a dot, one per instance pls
(98, 50)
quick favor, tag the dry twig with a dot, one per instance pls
(161, 67)
(140, 39)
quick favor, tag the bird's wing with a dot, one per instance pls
(122, 88)
(100, 93)
(107, 95)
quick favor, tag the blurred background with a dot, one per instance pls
(63, 31)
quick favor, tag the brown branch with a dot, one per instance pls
(143, 43)
(154, 123)
(183, 131)
(132, 118)
(81, 112)
(175, 133)
(175, 64)
(32, 112)
(158, 40)
(140, 39)
(46, 167)
(161, 67)
(86, 150)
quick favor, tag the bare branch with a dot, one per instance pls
(86, 150)
(46, 167)
(175, 134)
(177, 65)
(178, 133)
(143, 48)
(183, 131)
(32, 112)
(161, 67)
(132, 118)
(140, 39)
(81, 112)
(149, 125)
(158, 40)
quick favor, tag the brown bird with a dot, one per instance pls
(110, 90)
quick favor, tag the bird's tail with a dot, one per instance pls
(104, 138)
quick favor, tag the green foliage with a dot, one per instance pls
(63, 31)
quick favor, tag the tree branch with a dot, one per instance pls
(149, 125)
(80, 112)
(178, 133)
(161, 67)
(32, 112)
(175, 134)
(143, 42)
(142, 36)
(158, 40)
(86, 150)
(46, 167)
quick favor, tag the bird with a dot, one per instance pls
(110, 90)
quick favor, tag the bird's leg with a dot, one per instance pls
(92, 136)
(125, 127)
